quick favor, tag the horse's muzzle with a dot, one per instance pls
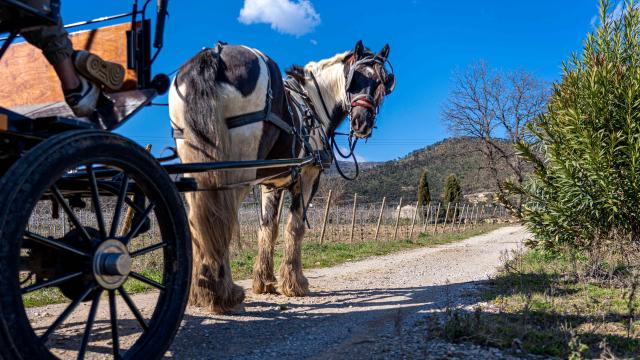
(361, 122)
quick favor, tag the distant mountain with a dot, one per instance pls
(395, 178)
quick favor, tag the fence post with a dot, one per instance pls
(384, 199)
(395, 230)
(435, 220)
(325, 217)
(413, 221)
(453, 216)
(462, 215)
(426, 218)
(446, 218)
(463, 222)
(473, 213)
(353, 216)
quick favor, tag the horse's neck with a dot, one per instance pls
(331, 83)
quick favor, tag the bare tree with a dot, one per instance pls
(494, 106)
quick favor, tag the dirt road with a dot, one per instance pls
(355, 310)
(352, 306)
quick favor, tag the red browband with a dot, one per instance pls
(365, 103)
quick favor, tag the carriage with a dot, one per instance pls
(104, 191)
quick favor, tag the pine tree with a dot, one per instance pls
(424, 195)
(452, 190)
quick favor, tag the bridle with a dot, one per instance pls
(366, 100)
(359, 100)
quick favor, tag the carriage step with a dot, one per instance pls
(17, 123)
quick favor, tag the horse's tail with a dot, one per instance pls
(211, 213)
(202, 115)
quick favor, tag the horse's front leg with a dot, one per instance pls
(292, 281)
(264, 280)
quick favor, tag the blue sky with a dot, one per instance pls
(429, 41)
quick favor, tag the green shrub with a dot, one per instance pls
(424, 195)
(452, 190)
(586, 148)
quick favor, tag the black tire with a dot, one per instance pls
(37, 174)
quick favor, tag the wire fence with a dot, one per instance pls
(350, 219)
(356, 219)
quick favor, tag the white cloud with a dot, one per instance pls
(313, 42)
(285, 16)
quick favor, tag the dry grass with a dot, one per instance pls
(555, 305)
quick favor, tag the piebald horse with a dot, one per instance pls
(208, 103)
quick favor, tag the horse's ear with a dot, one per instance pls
(358, 50)
(384, 53)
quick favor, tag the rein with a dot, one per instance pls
(352, 144)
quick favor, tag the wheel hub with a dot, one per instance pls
(111, 264)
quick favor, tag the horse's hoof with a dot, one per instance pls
(264, 288)
(295, 289)
(238, 309)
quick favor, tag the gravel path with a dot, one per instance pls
(355, 310)
(352, 306)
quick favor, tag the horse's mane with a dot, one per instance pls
(297, 71)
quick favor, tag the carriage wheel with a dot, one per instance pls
(72, 258)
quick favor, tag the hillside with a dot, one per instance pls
(395, 178)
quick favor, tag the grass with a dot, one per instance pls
(314, 255)
(538, 305)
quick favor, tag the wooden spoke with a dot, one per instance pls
(54, 243)
(69, 212)
(148, 249)
(89, 326)
(134, 229)
(95, 198)
(122, 194)
(55, 281)
(133, 308)
(146, 280)
(114, 324)
(65, 314)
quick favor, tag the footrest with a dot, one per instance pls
(113, 109)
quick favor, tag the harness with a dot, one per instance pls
(244, 119)
(308, 121)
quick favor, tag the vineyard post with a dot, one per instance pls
(395, 230)
(353, 216)
(413, 221)
(324, 218)
(453, 217)
(384, 199)
(474, 214)
(435, 220)
(459, 218)
(446, 218)
(466, 218)
(426, 218)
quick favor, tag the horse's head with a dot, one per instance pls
(368, 82)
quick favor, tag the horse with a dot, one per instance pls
(230, 102)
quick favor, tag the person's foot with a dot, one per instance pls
(83, 99)
(94, 68)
